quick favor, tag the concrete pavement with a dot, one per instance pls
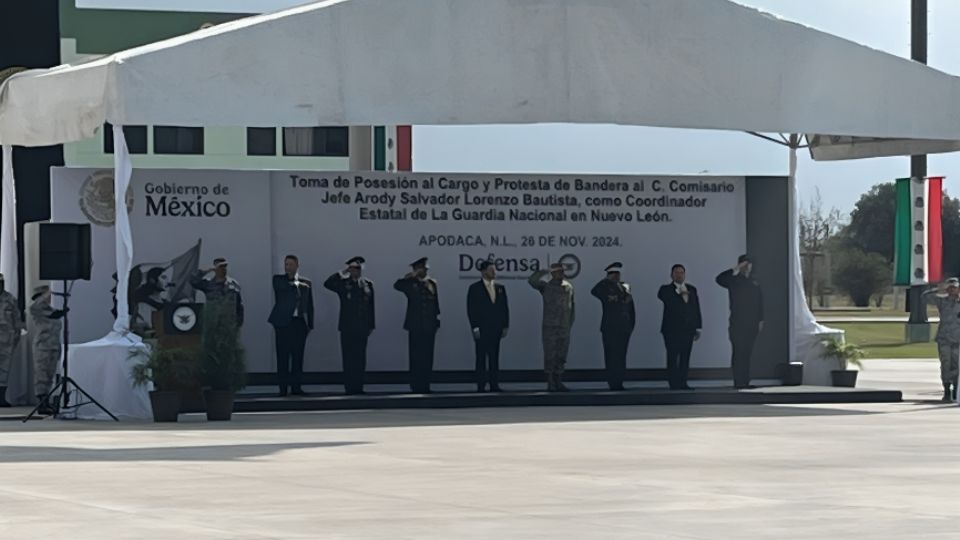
(675, 472)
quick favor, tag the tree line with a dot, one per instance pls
(853, 255)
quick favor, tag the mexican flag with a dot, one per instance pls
(918, 236)
(392, 148)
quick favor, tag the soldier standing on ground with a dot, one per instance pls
(48, 329)
(558, 316)
(11, 327)
(421, 322)
(947, 299)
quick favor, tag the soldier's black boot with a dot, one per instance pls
(3, 397)
(953, 393)
(946, 393)
(45, 408)
(551, 382)
(559, 383)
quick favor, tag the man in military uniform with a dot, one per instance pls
(947, 300)
(11, 326)
(619, 318)
(47, 328)
(558, 315)
(220, 287)
(356, 320)
(421, 322)
(746, 316)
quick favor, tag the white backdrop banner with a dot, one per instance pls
(520, 222)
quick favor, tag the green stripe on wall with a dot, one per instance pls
(902, 235)
(379, 148)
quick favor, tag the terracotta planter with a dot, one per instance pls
(165, 405)
(219, 404)
(846, 378)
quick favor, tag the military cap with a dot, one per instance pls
(220, 261)
(356, 262)
(39, 290)
(420, 263)
(615, 267)
(555, 267)
(743, 258)
(953, 282)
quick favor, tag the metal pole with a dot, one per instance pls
(918, 167)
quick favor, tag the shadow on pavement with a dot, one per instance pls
(444, 417)
(226, 452)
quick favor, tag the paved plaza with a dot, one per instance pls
(685, 472)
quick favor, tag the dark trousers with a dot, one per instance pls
(353, 349)
(615, 357)
(421, 346)
(290, 341)
(488, 357)
(742, 340)
(679, 347)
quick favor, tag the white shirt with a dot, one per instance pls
(491, 290)
(296, 283)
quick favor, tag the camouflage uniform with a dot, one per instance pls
(219, 291)
(558, 315)
(48, 327)
(948, 334)
(10, 328)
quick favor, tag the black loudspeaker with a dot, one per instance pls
(64, 251)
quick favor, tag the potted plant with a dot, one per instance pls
(223, 364)
(167, 369)
(846, 354)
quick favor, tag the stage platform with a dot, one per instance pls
(263, 402)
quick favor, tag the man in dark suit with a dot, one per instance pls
(746, 316)
(292, 320)
(421, 322)
(356, 320)
(489, 316)
(681, 325)
(619, 318)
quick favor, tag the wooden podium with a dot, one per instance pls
(169, 336)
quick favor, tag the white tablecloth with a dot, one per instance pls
(102, 368)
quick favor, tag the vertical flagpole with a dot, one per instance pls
(8, 225)
(918, 327)
(123, 170)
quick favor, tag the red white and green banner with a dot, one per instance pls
(918, 236)
(392, 148)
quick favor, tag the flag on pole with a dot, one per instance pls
(918, 236)
(392, 148)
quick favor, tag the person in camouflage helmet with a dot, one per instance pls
(558, 316)
(47, 333)
(11, 327)
(947, 299)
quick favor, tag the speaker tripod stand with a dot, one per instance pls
(65, 385)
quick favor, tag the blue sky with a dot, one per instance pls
(881, 24)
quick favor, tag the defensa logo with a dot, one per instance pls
(175, 200)
(96, 199)
(516, 267)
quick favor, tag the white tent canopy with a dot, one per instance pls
(668, 63)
